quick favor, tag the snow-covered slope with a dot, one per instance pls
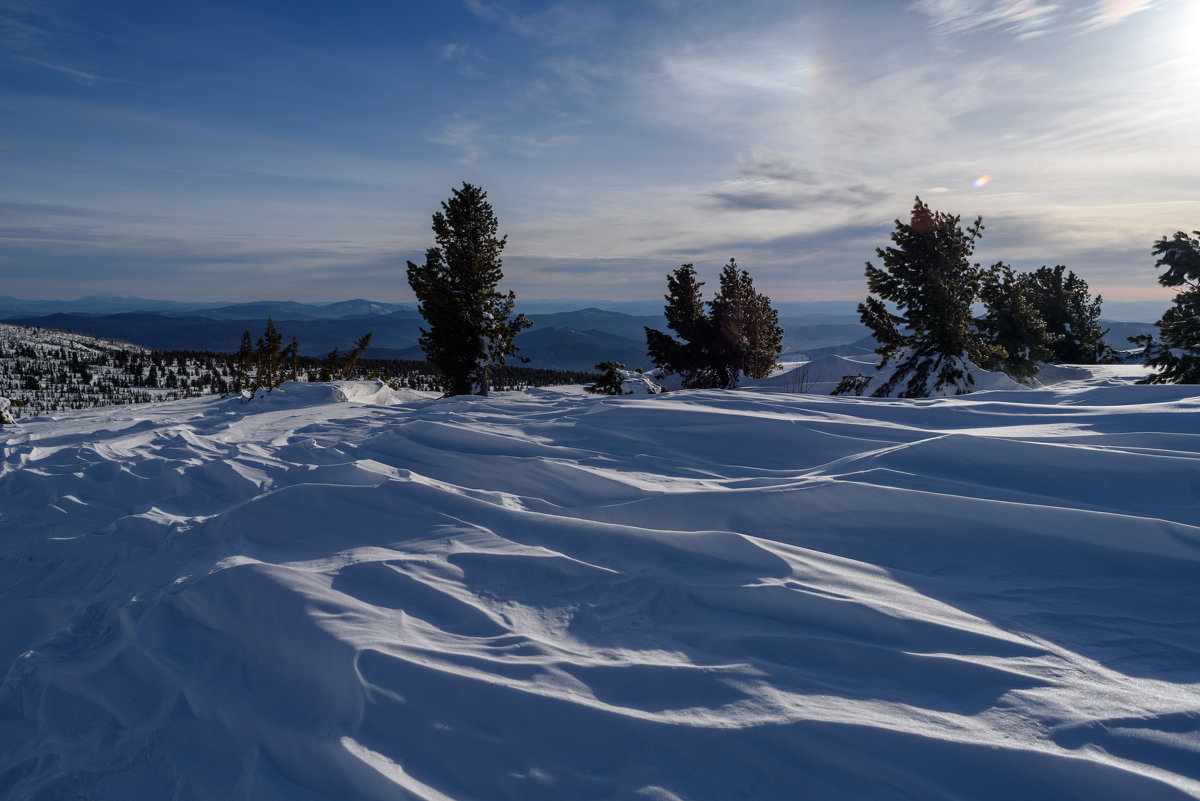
(47, 371)
(341, 592)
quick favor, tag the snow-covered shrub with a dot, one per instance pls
(616, 380)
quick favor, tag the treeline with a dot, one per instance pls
(43, 371)
(266, 364)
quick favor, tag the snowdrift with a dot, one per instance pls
(346, 592)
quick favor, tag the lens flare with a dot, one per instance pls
(982, 180)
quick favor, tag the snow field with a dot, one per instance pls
(341, 591)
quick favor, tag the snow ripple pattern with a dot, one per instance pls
(345, 592)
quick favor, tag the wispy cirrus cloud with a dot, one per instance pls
(1026, 18)
(78, 75)
(1112, 12)
(47, 35)
(17, 210)
(465, 136)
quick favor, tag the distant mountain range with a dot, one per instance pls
(573, 340)
(276, 309)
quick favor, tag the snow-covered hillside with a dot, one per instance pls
(346, 592)
(47, 371)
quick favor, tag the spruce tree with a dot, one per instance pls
(329, 366)
(1017, 336)
(929, 278)
(688, 356)
(1176, 354)
(1071, 315)
(353, 356)
(738, 334)
(270, 374)
(242, 362)
(289, 359)
(749, 336)
(471, 325)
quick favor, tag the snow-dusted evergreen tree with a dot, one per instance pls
(1175, 355)
(6, 415)
(1011, 324)
(289, 360)
(929, 278)
(739, 333)
(471, 324)
(243, 360)
(688, 356)
(1071, 315)
(353, 356)
(749, 338)
(270, 369)
(329, 366)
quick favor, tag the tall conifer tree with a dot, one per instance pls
(270, 372)
(471, 325)
(242, 363)
(929, 278)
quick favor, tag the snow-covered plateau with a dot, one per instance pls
(341, 591)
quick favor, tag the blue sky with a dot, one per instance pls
(252, 150)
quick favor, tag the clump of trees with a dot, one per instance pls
(265, 364)
(1071, 315)
(1175, 354)
(471, 325)
(738, 334)
(920, 312)
(1013, 330)
(334, 366)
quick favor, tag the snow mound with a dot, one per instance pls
(1058, 373)
(348, 592)
(817, 377)
(292, 394)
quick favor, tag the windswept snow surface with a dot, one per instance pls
(342, 592)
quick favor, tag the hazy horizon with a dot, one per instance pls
(1114, 310)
